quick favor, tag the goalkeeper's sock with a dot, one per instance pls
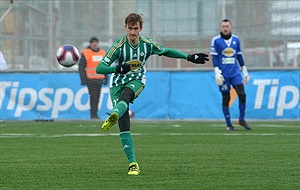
(227, 116)
(120, 108)
(242, 107)
(127, 144)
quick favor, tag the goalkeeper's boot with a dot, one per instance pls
(244, 124)
(133, 169)
(231, 128)
(110, 121)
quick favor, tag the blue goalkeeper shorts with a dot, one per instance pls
(231, 81)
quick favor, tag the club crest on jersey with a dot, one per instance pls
(134, 64)
(228, 52)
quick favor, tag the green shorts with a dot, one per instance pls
(136, 85)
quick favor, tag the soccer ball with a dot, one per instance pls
(67, 55)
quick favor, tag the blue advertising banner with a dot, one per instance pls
(153, 102)
(47, 96)
(270, 95)
(274, 95)
(194, 95)
(168, 95)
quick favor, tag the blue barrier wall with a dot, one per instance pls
(168, 95)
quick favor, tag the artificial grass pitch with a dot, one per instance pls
(171, 155)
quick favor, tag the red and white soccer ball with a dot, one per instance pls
(67, 55)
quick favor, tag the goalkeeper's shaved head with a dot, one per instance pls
(133, 18)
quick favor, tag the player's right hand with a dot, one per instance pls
(198, 58)
(219, 79)
(123, 69)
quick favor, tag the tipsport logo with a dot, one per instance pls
(19, 100)
(273, 95)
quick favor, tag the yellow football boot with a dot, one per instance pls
(133, 169)
(110, 121)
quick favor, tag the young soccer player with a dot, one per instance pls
(130, 53)
(226, 54)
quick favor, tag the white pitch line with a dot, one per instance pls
(227, 134)
(13, 135)
(176, 125)
(283, 125)
(263, 125)
(55, 135)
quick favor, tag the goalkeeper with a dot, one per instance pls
(130, 54)
(226, 54)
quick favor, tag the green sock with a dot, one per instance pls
(127, 144)
(120, 108)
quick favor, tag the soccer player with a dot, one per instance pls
(128, 79)
(226, 54)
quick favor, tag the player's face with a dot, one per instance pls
(226, 28)
(133, 31)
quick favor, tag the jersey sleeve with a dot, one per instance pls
(238, 48)
(104, 67)
(214, 53)
(213, 50)
(239, 55)
(111, 55)
(158, 49)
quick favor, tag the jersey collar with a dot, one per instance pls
(133, 47)
(228, 42)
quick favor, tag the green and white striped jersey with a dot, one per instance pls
(123, 52)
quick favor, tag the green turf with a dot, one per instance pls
(172, 155)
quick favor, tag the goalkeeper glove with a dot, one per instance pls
(218, 77)
(123, 68)
(246, 76)
(198, 58)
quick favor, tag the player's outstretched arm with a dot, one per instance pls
(172, 53)
(105, 69)
(198, 58)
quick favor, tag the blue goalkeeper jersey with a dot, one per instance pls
(226, 55)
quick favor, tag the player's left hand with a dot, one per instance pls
(198, 58)
(246, 78)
